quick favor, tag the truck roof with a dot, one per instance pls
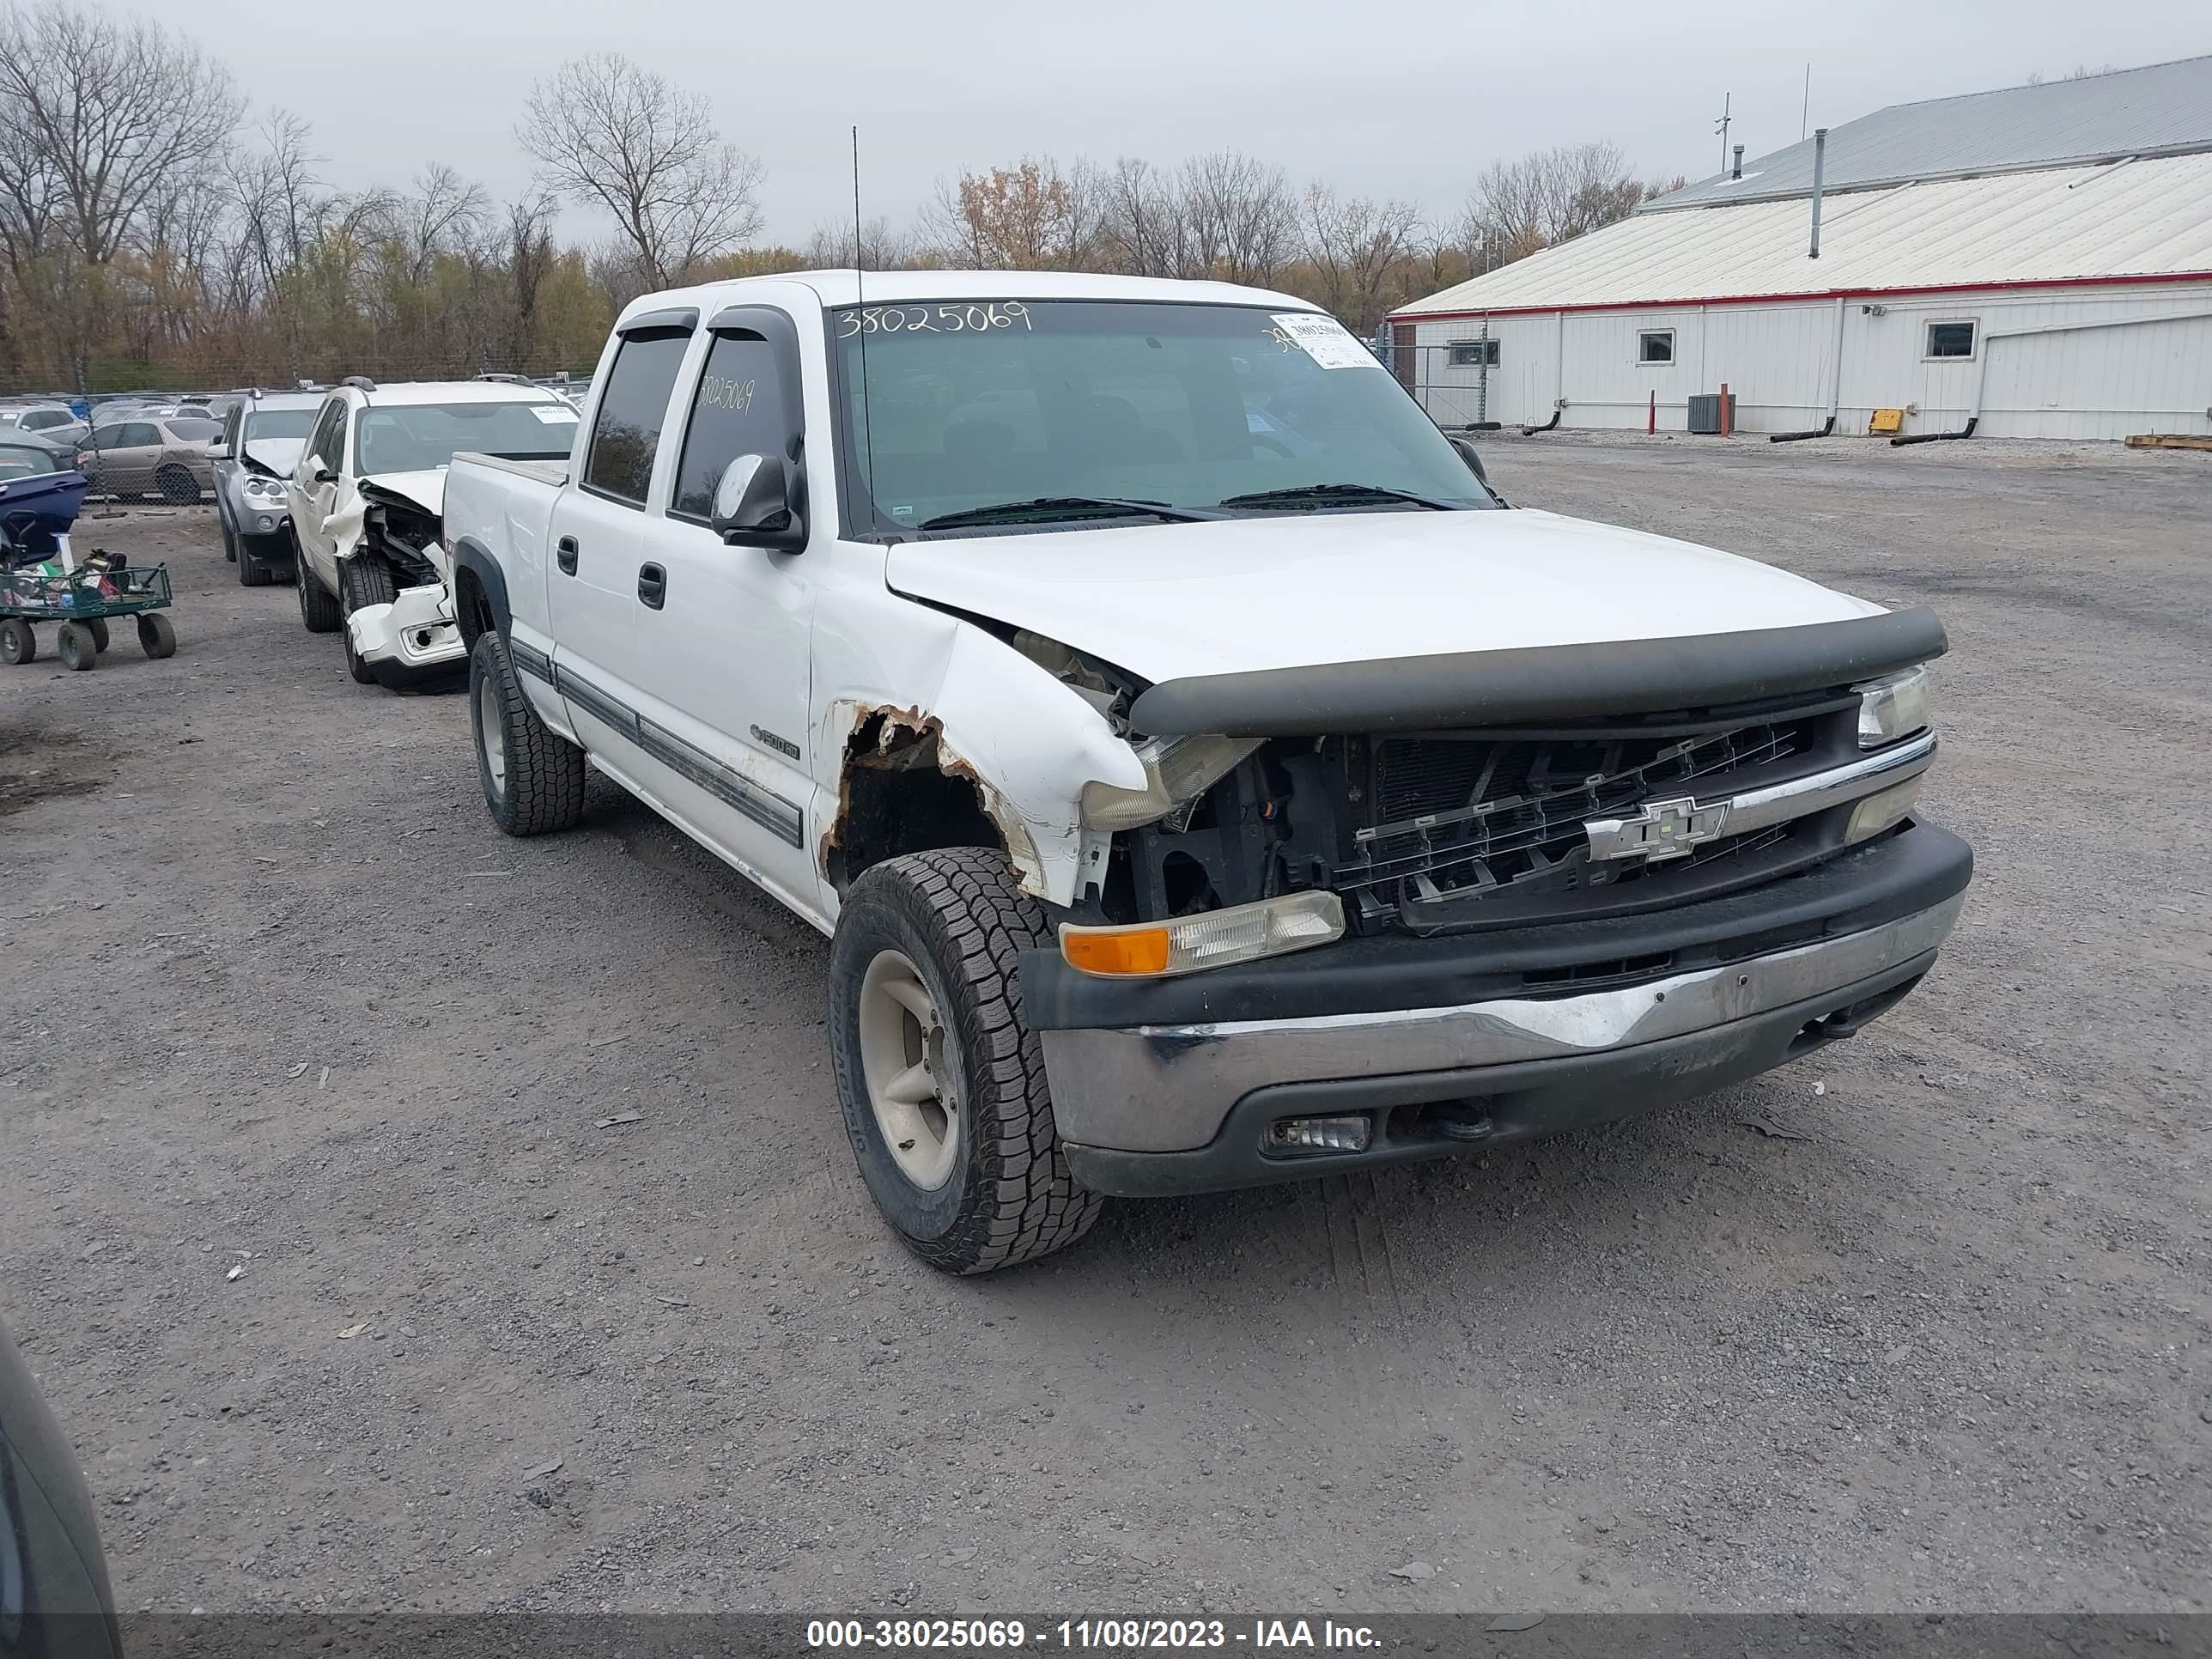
(845, 288)
(407, 393)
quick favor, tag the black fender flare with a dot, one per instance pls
(473, 556)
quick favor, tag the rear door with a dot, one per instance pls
(598, 525)
(724, 654)
(128, 450)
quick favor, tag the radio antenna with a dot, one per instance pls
(860, 305)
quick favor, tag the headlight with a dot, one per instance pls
(1243, 933)
(1893, 708)
(1174, 772)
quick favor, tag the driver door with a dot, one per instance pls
(313, 502)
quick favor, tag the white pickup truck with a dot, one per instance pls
(1205, 779)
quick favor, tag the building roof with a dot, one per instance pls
(2122, 221)
(2160, 109)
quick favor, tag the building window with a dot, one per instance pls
(1656, 345)
(1474, 354)
(1950, 340)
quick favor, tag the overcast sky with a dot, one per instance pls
(1407, 100)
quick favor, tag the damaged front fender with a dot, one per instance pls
(1022, 740)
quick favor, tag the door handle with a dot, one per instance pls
(564, 554)
(653, 585)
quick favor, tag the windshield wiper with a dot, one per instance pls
(1324, 495)
(1045, 509)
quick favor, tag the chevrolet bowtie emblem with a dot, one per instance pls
(1658, 830)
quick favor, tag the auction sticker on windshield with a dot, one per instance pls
(552, 415)
(1324, 339)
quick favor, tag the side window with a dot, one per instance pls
(738, 410)
(626, 430)
(324, 444)
(233, 429)
(138, 434)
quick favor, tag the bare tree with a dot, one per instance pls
(1550, 197)
(123, 113)
(878, 247)
(609, 134)
(444, 214)
(1357, 250)
(1144, 230)
(1240, 216)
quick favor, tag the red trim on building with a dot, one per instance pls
(1809, 294)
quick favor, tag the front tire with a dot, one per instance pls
(941, 1084)
(157, 637)
(18, 642)
(74, 642)
(363, 580)
(533, 777)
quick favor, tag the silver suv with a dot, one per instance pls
(262, 435)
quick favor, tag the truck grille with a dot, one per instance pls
(1459, 817)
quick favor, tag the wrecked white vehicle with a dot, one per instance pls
(1205, 779)
(365, 497)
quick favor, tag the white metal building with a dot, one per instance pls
(2037, 260)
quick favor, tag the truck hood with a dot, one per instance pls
(427, 488)
(274, 456)
(1172, 601)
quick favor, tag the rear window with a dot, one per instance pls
(22, 461)
(193, 432)
(417, 438)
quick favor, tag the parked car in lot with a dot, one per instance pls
(42, 419)
(260, 444)
(1191, 803)
(365, 495)
(54, 1594)
(145, 455)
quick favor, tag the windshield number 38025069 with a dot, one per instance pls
(934, 319)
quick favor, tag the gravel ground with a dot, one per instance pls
(310, 1221)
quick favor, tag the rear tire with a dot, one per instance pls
(318, 611)
(18, 643)
(157, 635)
(533, 777)
(98, 626)
(955, 922)
(74, 642)
(178, 486)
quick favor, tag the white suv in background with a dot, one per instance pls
(366, 495)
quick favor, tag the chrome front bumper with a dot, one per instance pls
(1170, 1090)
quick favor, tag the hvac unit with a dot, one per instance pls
(1706, 413)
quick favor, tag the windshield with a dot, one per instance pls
(279, 423)
(405, 439)
(1192, 407)
(21, 461)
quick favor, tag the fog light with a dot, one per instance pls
(1320, 1135)
(265, 524)
(422, 639)
(1883, 810)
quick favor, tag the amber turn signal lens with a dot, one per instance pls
(1138, 951)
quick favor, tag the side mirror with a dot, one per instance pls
(1473, 457)
(754, 505)
(218, 451)
(324, 475)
